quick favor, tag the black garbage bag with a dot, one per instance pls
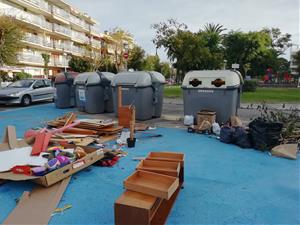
(226, 134)
(265, 134)
(241, 138)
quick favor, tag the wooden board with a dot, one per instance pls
(154, 184)
(162, 167)
(164, 209)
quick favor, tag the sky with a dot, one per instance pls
(137, 16)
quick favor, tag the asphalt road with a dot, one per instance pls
(172, 115)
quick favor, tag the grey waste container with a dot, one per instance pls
(93, 91)
(65, 90)
(142, 89)
(217, 90)
(80, 90)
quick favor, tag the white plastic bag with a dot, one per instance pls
(188, 120)
(216, 128)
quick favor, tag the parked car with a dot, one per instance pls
(26, 91)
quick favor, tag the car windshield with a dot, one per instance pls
(21, 84)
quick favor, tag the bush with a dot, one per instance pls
(250, 85)
(22, 75)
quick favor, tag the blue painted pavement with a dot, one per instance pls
(224, 184)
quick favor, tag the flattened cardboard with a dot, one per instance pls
(10, 140)
(10, 137)
(288, 151)
(36, 207)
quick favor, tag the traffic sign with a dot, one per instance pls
(235, 66)
(125, 55)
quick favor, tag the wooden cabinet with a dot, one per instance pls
(134, 208)
(152, 194)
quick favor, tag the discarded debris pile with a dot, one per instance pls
(86, 126)
(272, 131)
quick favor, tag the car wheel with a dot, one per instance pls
(26, 100)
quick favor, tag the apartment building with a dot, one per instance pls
(52, 27)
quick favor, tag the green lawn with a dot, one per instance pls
(269, 95)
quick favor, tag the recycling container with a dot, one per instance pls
(215, 90)
(93, 91)
(142, 89)
(65, 90)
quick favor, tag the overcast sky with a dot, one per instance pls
(136, 16)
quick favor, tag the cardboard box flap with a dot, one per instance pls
(37, 207)
(16, 177)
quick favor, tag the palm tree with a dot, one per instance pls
(214, 28)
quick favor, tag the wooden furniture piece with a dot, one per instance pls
(157, 185)
(162, 167)
(136, 208)
(169, 157)
(126, 114)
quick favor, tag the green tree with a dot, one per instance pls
(151, 63)
(296, 59)
(243, 48)
(46, 58)
(11, 37)
(22, 75)
(280, 42)
(214, 28)
(165, 69)
(136, 57)
(107, 64)
(188, 50)
(79, 64)
(121, 38)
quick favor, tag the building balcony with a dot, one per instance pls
(79, 37)
(41, 4)
(62, 30)
(60, 13)
(96, 44)
(38, 41)
(59, 62)
(78, 51)
(31, 20)
(30, 59)
(62, 45)
(83, 26)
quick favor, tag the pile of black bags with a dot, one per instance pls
(263, 135)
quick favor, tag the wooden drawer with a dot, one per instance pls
(154, 184)
(162, 167)
(167, 156)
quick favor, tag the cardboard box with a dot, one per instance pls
(59, 174)
(66, 171)
(210, 116)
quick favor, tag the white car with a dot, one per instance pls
(25, 92)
